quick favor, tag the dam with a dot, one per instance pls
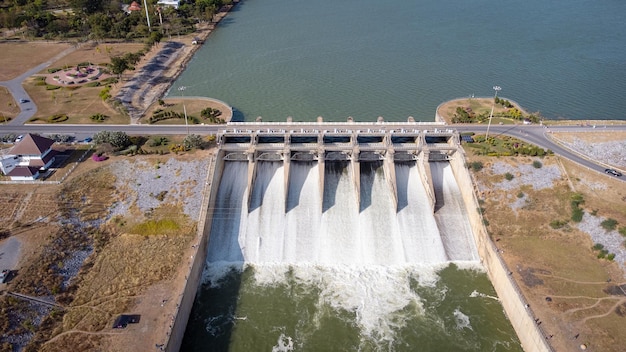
(357, 239)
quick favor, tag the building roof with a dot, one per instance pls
(23, 171)
(173, 3)
(32, 144)
(43, 161)
(134, 6)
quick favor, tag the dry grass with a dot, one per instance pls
(194, 107)
(84, 102)
(124, 268)
(478, 106)
(606, 195)
(597, 136)
(8, 106)
(96, 54)
(20, 57)
(559, 263)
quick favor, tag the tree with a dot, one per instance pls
(87, 6)
(119, 65)
(192, 141)
(117, 139)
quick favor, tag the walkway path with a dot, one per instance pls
(151, 81)
(16, 89)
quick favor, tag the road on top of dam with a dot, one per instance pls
(535, 134)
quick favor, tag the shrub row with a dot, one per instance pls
(58, 118)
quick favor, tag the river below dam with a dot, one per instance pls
(326, 269)
(396, 59)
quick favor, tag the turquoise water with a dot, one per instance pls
(395, 59)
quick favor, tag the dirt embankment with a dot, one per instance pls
(122, 232)
(561, 264)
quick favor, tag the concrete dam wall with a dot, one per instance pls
(430, 149)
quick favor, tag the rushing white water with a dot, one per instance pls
(451, 214)
(422, 240)
(292, 267)
(296, 226)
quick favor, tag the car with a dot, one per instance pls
(24, 101)
(613, 172)
(88, 140)
(4, 276)
(19, 138)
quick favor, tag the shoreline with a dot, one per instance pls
(142, 98)
(549, 122)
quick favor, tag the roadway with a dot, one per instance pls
(535, 134)
(28, 109)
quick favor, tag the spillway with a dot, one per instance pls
(341, 230)
(341, 242)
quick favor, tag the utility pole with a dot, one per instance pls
(145, 4)
(496, 88)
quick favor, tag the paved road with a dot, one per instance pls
(15, 88)
(535, 134)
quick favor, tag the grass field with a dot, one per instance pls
(8, 106)
(18, 58)
(84, 102)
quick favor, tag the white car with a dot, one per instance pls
(19, 138)
(4, 276)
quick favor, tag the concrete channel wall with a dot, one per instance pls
(518, 311)
(194, 276)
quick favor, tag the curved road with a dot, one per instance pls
(14, 86)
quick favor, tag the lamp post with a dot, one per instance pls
(145, 4)
(182, 90)
(496, 88)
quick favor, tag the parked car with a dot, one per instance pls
(24, 101)
(4, 276)
(19, 138)
(613, 172)
(88, 140)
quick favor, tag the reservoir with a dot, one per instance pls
(396, 59)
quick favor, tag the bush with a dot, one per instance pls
(105, 93)
(51, 87)
(92, 84)
(476, 166)
(53, 70)
(98, 117)
(508, 176)
(537, 164)
(157, 141)
(557, 224)
(110, 80)
(192, 141)
(609, 224)
(598, 247)
(622, 231)
(520, 195)
(577, 215)
(99, 157)
(58, 118)
(610, 256)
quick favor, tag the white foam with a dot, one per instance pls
(462, 320)
(284, 344)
